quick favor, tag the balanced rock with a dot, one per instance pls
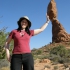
(58, 32)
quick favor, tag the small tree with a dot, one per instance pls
(59, 50)
(3, 36)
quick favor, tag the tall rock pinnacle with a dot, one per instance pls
(58, 32)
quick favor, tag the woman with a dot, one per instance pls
(21, 54)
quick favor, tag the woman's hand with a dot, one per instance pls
(9, 58)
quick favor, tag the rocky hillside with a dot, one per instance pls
(54, 56)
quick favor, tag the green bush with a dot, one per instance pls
(59, 50)
(60, 54)
(3, 36)
(38, 52)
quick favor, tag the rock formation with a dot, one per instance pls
(58, 32)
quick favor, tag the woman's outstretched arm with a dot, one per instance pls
(37, 31)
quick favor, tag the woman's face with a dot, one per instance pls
(24, 23)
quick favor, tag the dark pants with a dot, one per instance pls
(19, 60)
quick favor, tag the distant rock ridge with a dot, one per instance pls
(58, 32)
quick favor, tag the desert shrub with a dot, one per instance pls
(42, 57)
(55, 67)
(4, 63)
(66, 65)
(38, 52)
(60, 54)
(64, 60)
(68, 51)
(34, 49)
(47, 66)
(54, 58)
(59, 50)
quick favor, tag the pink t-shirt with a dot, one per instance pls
(21, 42)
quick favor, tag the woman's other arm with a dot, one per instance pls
(7, 48)
(37, 31)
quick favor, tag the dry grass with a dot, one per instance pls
(5, 68)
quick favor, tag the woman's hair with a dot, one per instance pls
(19, 26)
